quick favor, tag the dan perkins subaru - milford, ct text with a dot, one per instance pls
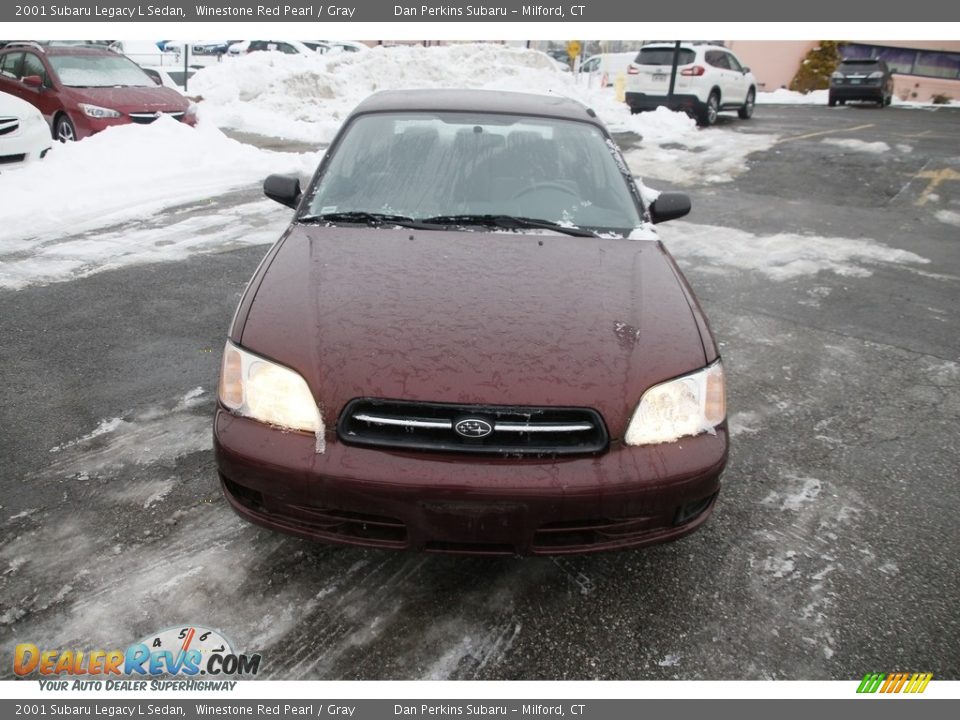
(487, 11)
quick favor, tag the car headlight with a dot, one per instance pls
(837, 76)
(688, 405)
(95, 111)
(263, 390)
(875, 75)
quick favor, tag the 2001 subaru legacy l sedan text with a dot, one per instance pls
(470, 340)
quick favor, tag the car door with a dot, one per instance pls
(721, 75)
(44, 97)
(739, 82)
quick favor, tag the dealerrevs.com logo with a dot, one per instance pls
(887, 683)
(182, 651)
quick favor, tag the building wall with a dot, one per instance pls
(774, 63)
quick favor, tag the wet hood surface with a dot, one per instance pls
(474, 317)
(132, 99)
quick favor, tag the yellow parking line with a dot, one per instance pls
(826, 132)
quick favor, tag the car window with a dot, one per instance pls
(99, 71)
(32, 65)
(717, 59)
(857, 67)
(287, 48)
(591, 65)
(663, 56)
(733, 62)
(426, 164)
(11, 65)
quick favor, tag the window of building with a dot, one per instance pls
(906, 61)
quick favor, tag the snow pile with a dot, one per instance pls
(126, 172)
(306, 98)
(784, 256)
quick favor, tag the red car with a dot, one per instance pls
(470, 340)
(82, 90)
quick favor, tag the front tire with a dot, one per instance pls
(831, 101)
(708, 115)
(64, 130)
(746, 111)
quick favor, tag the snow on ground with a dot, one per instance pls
(949, 217)
(155, 433)
(128, 172)
(782, 96)
(877, 148)
(684, 154)
(783, 256)
(32, 261)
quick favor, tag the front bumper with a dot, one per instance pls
(30, 143)
(856, 92)
(87, 126)
(626, 497)
(642, 101)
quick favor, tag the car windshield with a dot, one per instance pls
(427, 165)
(99, 71)
(664, 56)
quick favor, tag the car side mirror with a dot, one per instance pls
(34, 81)
(746, 70)
(669, 206)
(285, 189)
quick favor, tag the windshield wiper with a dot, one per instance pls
(510, 222)
(370, 218)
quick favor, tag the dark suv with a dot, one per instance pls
(83, 90)
(867, 79)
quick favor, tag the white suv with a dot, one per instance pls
(710, 78)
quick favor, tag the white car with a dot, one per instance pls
(608, 66)
(344, 45)
(287, 47)
(144, 52)
(710, 78)
(24, 134)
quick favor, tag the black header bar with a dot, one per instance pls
(556, 11)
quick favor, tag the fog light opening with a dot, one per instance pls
(686, 513)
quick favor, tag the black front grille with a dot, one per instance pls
(9, 125)
(8, 159)
(484, 429)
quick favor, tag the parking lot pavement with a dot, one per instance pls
(830, 273)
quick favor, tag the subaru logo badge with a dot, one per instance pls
(473, 428)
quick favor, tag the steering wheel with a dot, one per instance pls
(545, 185)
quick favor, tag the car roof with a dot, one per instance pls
(71, 50)
(478, 101)
(683, 46)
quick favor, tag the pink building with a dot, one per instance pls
(922, 68)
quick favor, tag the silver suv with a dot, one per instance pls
(710, 78)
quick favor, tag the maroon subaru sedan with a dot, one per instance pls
(470, 340)
(83, 90)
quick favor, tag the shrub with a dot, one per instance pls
(816, 67)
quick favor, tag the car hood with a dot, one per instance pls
(132, 99)
(474, 317)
